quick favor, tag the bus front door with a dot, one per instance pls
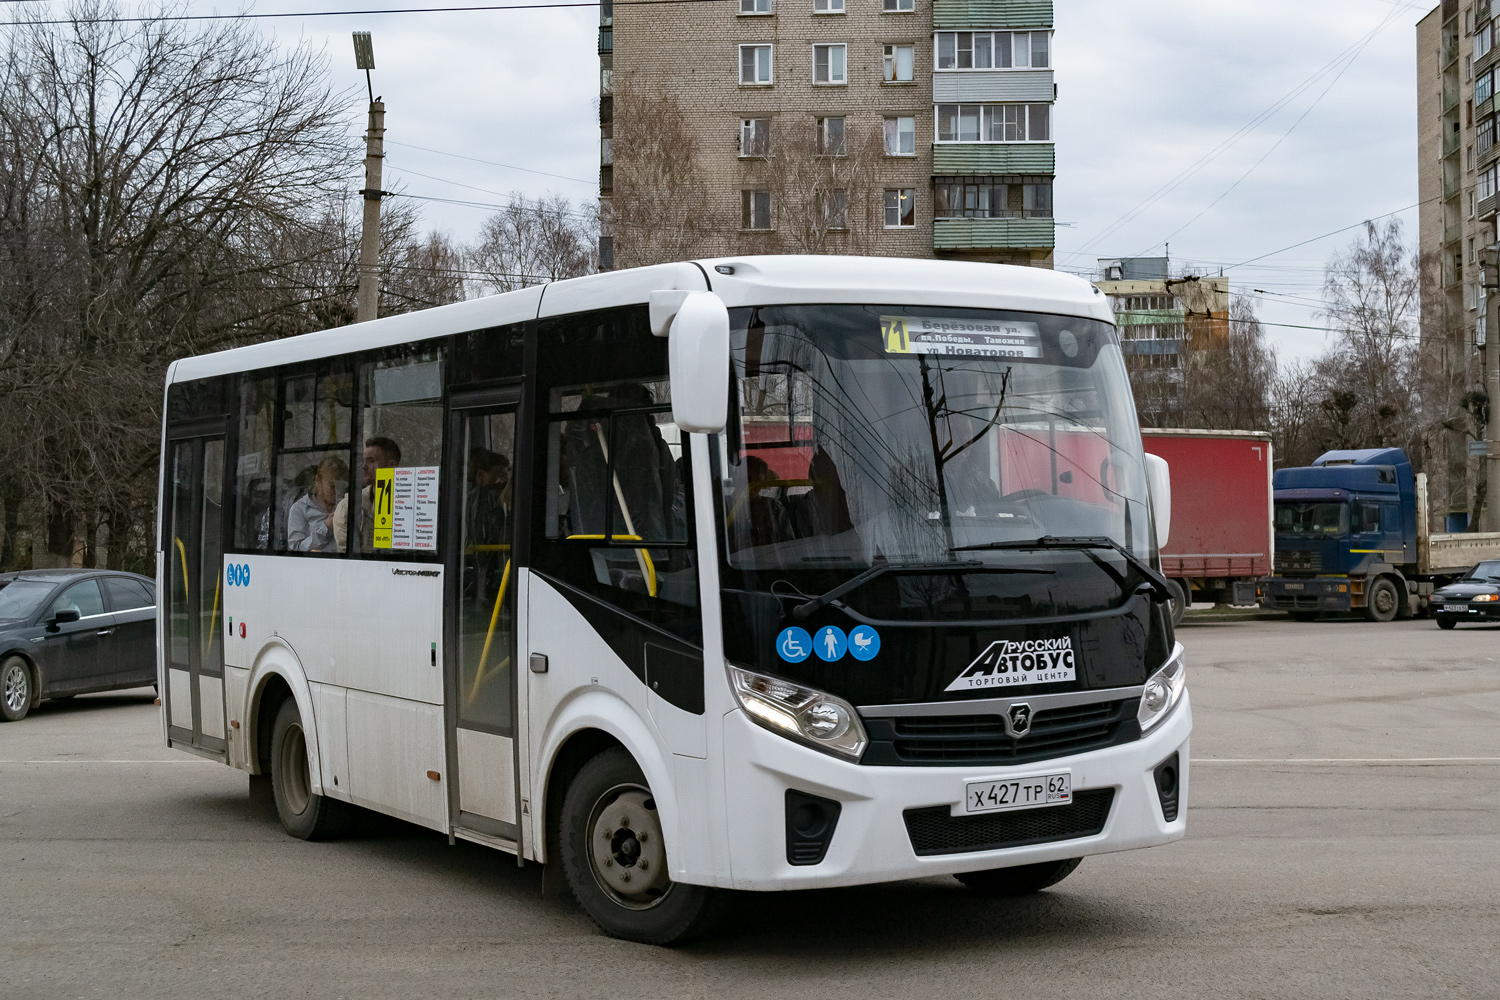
(481, 628)
(193, 606)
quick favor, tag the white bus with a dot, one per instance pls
(753, 573)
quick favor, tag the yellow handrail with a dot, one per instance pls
(213, 618)
(650, 566)
(182, 551)
(489, 636)
(641, 556)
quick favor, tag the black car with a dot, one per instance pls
(1474, 597)
(69, 631)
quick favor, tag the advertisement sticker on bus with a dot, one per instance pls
(1008, 662)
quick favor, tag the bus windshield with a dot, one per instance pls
(921, 435)
(1311, 519)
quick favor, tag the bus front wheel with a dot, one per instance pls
(305, 814)
(1022, 880)
(615, 858)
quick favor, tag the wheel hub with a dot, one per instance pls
(14, 690)
(626, 850)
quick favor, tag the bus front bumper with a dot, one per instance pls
(873, 840)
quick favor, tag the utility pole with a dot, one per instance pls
(369, 241)
(1489, 282)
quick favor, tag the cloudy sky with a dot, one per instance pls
(1268, 122)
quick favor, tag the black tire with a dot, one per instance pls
(304, 814)
(1446, 622)
(1381, 601)
(15, 689)
(1023, 880)
(1304, 616)
(610, 796)
(1179, 601)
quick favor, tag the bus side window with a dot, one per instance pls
(401, 421)
(312, 460)
(252, 477)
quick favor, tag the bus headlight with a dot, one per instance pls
(804, 714)
(1163, 691)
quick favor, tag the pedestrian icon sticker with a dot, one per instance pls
(830, 643)
(794, 644)
(864, 642)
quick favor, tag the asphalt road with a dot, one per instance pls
(1344, 841)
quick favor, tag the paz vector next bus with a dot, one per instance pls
(754, 573)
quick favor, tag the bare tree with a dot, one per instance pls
(823, 185)
(1228, 372)
(533, 242)
(145, 171)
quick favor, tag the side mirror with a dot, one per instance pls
(1159, 482)
(698, 359)
(63, 617)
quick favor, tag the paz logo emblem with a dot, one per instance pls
(1018, 720)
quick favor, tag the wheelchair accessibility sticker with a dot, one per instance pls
(795, 644)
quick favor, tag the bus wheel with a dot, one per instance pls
(613, 853)
(305, 814)
(15, 689)
(1382, 602)
(1021, 880)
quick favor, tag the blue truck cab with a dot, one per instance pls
(1346, 537)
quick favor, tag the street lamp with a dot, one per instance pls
(364, 58)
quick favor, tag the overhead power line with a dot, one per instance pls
(248, 16)
(492, 163)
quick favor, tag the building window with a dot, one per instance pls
(829, 64)
(1018, 197)
(994, 122)
(606, 252)
(994, 49)
(1469, 157)
(755, 136)
(898, 63)
(1485, 137)
(900, 208)
(1471, 251)
(899, 6)
(1484, 87)
(755, 210)
(901, 136)
(1471, 204)
(828, 6)
(1484, 40)
(755, 6)
(831, 137)
(755, 65)
(833, 208)
(1486, 183)
(1468, 67)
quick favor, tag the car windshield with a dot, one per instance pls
(1312, 518)
(1485, 572)
(921, 435)
(20, 599)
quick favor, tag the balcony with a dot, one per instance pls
(1451, 143)
(983, 234)
(606, 40)
(993, 158)
(1450, 189)
(1487, 207)
(992, 13)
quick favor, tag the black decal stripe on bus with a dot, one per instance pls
(668, 665)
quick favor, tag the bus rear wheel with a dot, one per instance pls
(614, 855)
(1021, 880)
(304, 814)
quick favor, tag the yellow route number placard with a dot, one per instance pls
(384, 507)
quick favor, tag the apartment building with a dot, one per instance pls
(1160, 317)
(913, 128)
(1457, 65)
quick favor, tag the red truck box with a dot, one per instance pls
(1221, 538)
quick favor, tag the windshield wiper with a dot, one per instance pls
(802, 611)
(1158, 582)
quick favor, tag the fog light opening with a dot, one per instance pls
(1167, 787)
(810, 822)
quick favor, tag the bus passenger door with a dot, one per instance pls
(192, 629)
(481, 679)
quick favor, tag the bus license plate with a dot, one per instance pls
(1019, 793)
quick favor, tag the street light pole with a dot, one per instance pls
(368, 306)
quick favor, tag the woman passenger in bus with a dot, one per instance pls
(309, 526)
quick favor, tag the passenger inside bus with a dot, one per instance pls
(310, 519)
(380, 453)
